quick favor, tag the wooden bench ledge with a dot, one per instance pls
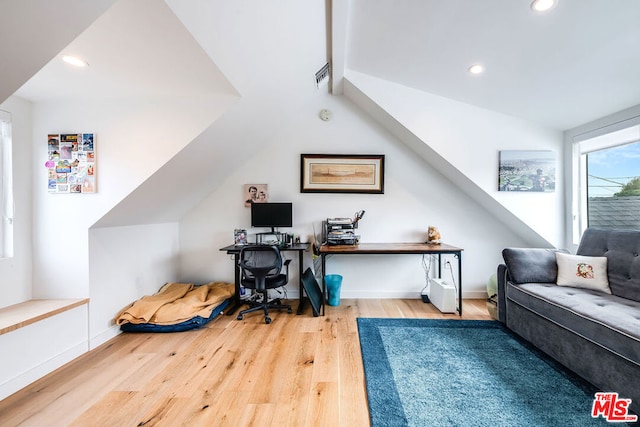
(25, 313)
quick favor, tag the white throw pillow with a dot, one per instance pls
(583, 272)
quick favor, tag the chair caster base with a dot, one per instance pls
(239, 317)
(267, 320)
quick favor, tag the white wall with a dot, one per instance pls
(124, 264)
(133, 139)
(416, 196)
(37, 349)
(470, 139)
(32, 34)
(15, 285)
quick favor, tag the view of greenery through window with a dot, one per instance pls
(614, 187)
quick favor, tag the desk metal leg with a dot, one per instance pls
(301, 301)
(324, 289)
(459, 255)
(237, 302)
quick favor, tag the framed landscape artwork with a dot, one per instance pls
(527, 171)
(340, 173)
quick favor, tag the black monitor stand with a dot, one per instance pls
(281, 238)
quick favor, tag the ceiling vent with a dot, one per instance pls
(322, 75)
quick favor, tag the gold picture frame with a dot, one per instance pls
(342, 173)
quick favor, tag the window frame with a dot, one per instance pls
(6, 186)
(614, 135)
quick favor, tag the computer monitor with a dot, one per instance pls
(272, 215)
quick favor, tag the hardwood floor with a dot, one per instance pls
(297, 371)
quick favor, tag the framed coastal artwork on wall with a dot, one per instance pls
(523, 170)
(340, 173)
(71, 163)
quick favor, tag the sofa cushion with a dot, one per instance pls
(622, 249)
(578, 271)
(607, 320)
(531, 264)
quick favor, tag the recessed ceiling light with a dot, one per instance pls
(542, 5)
(476, 69)
(75, 61)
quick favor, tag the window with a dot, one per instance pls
(6, 187)
(609, 180)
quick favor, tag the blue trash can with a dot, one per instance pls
(334, 283)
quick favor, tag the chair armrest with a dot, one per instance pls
(286, 267)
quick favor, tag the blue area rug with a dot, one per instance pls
(422, 372)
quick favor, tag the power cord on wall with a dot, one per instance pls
(426, 266)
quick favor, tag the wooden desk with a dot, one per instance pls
(235, 251)
(394, 249)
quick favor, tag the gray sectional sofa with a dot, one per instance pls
(593, 333)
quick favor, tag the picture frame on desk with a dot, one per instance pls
(342, 173)
(239, 236)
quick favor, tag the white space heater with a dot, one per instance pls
(442, 295)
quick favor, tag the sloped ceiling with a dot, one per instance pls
(135, 50)
(571, 65)
(138, 51)
(34, 31)
(574, 64)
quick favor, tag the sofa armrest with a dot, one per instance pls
(531, 265)
(503, 276)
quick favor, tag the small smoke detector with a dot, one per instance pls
(325, 114)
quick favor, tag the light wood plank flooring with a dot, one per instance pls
(297, 371)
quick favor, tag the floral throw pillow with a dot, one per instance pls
(583, 272)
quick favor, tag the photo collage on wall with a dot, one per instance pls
(71, 163)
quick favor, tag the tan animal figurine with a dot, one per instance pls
(433, 236)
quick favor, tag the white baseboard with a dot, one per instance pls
(104, 336)
(381, 294)
(475, 295)
(37, 372)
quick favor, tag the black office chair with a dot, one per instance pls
(261, 267)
